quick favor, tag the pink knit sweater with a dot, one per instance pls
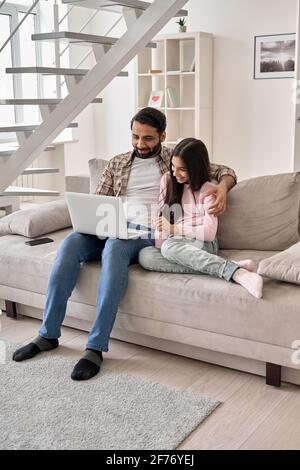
(195, 222)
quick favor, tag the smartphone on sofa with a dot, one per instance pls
(39, 241)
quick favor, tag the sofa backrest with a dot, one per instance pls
(262, 214)
(78, 183)
(96, 166)
(86, 183)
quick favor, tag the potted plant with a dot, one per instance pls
(182, 25)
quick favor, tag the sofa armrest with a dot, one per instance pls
(78, 184)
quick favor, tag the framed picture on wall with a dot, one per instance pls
(274, 56)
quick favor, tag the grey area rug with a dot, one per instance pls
(41, 407)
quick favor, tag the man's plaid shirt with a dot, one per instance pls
(114, 179)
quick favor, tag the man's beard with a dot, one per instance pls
(152, 153)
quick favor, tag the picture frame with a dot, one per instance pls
(274, 56)
(156, 98)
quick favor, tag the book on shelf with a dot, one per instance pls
(172, 97)
(154, 71)
(190, 68)
(193, 65)
(156, 98)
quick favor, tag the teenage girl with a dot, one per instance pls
(185, 235)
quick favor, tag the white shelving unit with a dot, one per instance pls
(184, 64)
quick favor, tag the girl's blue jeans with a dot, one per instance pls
(187, 256)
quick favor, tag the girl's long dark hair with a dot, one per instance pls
(194, 154)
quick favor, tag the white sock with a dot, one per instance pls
(245, 263)
(251, 281)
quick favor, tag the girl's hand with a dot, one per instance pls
(161, 224)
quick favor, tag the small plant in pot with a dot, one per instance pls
(182, 25)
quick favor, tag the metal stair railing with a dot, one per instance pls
(90, 52)
(66, 15)
(80, 30)
(19, 24)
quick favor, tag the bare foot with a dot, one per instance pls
(245, 263)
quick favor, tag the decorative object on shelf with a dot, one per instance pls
(274, 56)
(172, 97)
(154, 71)
(182, 25)
(156, 99)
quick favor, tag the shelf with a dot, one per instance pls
(180, 73)
(180, 109)
(171, 109)
(160, 109)
(161, 74)
(151, 74)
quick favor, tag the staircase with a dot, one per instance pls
(143, 20)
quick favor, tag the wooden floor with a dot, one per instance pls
(252, 415)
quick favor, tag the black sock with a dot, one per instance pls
(88, 366)
(32, 349)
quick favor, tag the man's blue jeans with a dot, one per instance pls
(115, 256)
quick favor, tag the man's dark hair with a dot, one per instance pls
(152, 117)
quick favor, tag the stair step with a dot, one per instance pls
(10, 150)
(27, 127)
(78, 38)
(19, 191)
(54, 71)
(115, 5)
(37, 101)
(40, 171)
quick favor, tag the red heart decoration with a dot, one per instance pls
(155, 98)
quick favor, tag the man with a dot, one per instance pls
(135, 175)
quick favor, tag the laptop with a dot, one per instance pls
(103, 216)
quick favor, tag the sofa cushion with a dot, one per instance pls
(38, 220)
(262, 214)
(96, 166)
(285, 266)
(77, 184)
(195, 301)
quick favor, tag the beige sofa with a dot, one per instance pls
(197, 316)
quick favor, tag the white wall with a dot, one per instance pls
(253, 119)
(112, 118)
